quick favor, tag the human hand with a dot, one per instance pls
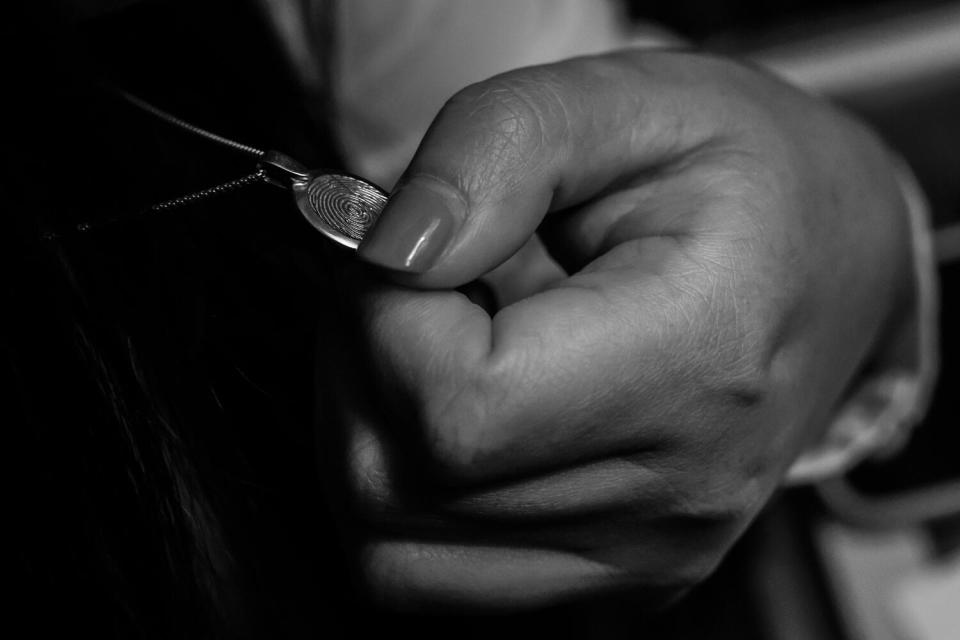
(735, 250)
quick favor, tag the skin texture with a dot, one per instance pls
(691, 262)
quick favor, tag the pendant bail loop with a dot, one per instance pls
(281, 170)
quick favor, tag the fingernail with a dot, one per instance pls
(414, 230)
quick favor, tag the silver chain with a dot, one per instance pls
(183, 124)
(258, 176)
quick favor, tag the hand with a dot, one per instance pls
(720, 256)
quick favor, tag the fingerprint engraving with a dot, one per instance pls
(345, 205)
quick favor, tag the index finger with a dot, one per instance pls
(555, 379)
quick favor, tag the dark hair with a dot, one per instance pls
(157, 372)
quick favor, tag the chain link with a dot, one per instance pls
(258, 176)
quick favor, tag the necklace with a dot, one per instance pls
(342, 207)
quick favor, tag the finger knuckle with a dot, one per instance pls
(507, 123)
(685, 561)
(384, 574)
(725, 339)
(719, 503)
(453, 424)
(746, 382)
(693, 571)
(676, 568)
(369, 487)
(737, 369)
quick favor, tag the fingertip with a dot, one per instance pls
(416, 229)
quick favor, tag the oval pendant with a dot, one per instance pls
(342, 207)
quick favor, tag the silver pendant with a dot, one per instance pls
(342, 207)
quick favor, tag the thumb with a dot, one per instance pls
(505, 152)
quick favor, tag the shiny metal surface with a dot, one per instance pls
(282, 170)
(341, 207)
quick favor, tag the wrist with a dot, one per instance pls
(892, 394)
